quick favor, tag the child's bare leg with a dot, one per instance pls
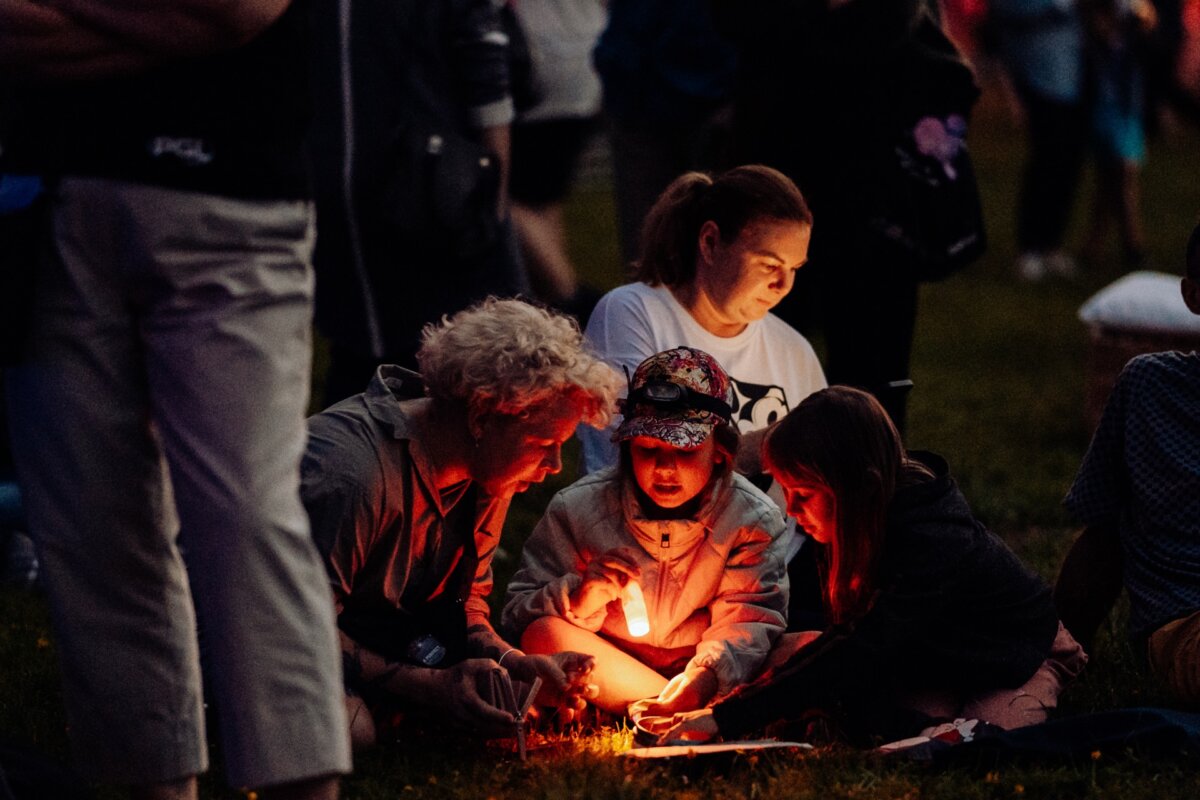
(620, 677)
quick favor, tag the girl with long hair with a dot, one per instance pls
(932, 616)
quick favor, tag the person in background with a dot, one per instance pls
(548, 139)
(667, 75)
(718, 253)
(933, 617)
(1138, 493)
(704, 547)
(838, 95)
(1042, 47)
(1118, 31)
(410, 150)
(408, 485)
(157, 410)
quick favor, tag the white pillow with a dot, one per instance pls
(1147, 301)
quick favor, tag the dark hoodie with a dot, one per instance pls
(956, 611)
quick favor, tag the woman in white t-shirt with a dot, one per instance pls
(717, 255)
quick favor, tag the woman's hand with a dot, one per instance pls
(603, 580)
(565, 680)
(691, 726)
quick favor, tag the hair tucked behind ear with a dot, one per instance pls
(731, 200)
(842, 437)
(669, 234)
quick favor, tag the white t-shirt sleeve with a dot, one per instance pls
(814, 376)
(621, 328)
(620, 331)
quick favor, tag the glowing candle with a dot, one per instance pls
(634, 605)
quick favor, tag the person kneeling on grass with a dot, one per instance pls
(407, 486)
(704, 545)
(933, 617)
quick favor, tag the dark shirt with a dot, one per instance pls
(391, 541)
(821, 94)
(662, 63)
(956, 611)
(1142, 471)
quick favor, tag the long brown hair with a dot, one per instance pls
(731, 200)
(842, 437)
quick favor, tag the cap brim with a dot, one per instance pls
(674, 431)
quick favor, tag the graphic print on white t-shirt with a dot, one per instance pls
(756, 405)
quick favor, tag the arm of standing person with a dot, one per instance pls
(39, 43)
(481, 73)
(78, 39)
(498, 139)
(180, 28)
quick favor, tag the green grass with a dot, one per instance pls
(999, 374)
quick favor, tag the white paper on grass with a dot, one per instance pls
(676, 750)
(1141, 301)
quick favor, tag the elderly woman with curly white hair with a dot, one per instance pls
(407, 486)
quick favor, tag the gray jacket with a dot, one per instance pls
(717, 582)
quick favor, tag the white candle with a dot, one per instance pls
(634, 605)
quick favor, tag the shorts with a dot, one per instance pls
(1174, 655)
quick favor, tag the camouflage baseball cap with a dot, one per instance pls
(677, 396)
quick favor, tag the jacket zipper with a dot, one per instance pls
(664, 545)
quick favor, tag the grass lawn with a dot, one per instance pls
(998, 368)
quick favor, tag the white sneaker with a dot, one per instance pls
(1031, 267)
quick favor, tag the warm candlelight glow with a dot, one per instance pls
(634, 605)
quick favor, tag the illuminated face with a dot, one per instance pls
(746, 278)
(516, 452)
(812, 505)
(669, 475)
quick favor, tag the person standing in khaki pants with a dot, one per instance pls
(1138, 493)
(157, 413)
